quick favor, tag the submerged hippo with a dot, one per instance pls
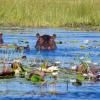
(1, 39)
(45, 42)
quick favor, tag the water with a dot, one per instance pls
(66, 52)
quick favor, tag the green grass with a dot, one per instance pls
(50, 13)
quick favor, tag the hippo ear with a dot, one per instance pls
(37, 35)
(54, 35)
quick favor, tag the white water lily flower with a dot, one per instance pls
(72, 80)
(73, 67)
(86, 41)
(57, 62)
(85, 75)
(53, 68)
(55, 73)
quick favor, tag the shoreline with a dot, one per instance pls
(68, 27)
(75, 15)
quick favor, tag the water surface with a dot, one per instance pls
(66, 53)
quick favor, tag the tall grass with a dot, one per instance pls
(50, 13)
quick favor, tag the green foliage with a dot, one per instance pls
(80, 77)
(51, 13)
(43, 66)
(36, 78)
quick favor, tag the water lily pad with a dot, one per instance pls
(82, 47)
(36, 78)
(80, 77)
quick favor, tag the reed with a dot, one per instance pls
(50, 13)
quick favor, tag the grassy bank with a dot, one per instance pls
(84, 14)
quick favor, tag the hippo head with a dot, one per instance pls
(45, 42)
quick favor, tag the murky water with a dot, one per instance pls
(73, 44)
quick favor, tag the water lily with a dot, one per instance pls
(73, 67)
(53, 68)
(85, 75)
(86, 41)
(55, 73)
(88, 61)
(57, 62)
(72, 80)
(95, 63)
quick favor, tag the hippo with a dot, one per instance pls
(45, 42)
(1, 39)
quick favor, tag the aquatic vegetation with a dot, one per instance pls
(61, 74)
(36, 79)
(80, 77)
(86, 41)
(83, 47)
(7, 75)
